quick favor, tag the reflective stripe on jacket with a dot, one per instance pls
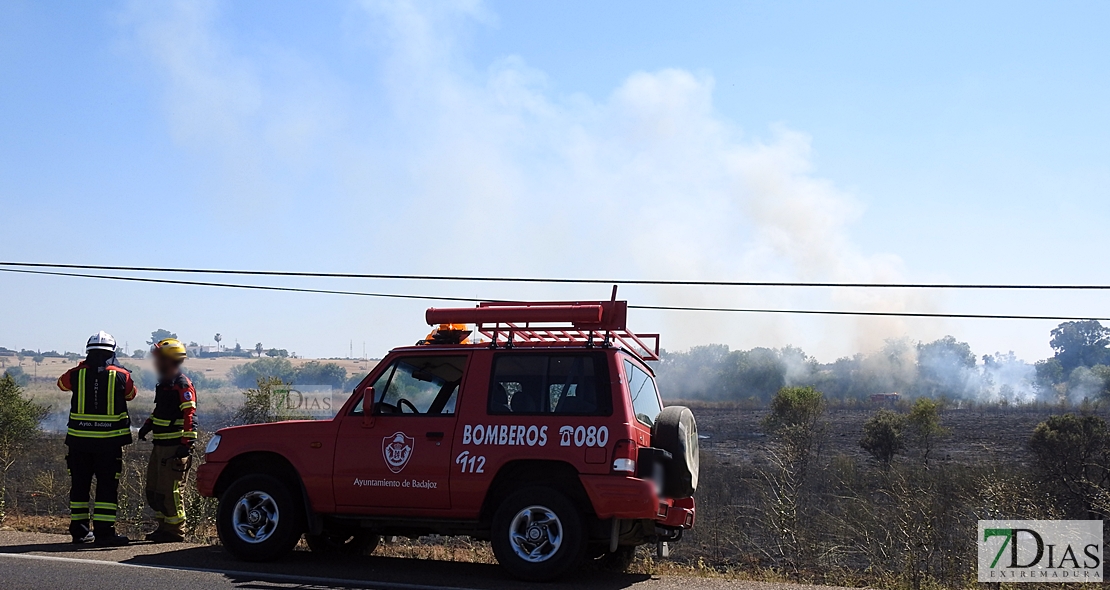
(175, 405)
(98, 404)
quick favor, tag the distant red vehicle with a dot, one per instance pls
(548, 439)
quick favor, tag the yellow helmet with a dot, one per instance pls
(171, 348)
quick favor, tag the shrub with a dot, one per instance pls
(883, 435)
(794, 408)
(20, 423)
(1072, 456)
(18, 375)
(923, 426)
(266, 403)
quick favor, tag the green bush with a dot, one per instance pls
(20, 423)
(18, 375)
(267, 402)
(883, 435)
(248, 374)
(1072, 456)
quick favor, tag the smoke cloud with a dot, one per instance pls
(440, 164)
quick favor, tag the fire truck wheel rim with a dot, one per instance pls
(535, 534)
(255, 517)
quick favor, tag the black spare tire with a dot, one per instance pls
(676, 431)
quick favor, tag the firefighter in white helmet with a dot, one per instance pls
(98, 429)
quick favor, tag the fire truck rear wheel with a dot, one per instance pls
(538, 534)
(258, 519)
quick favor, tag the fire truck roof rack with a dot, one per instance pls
(552, 323)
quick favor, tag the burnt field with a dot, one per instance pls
(987, 434)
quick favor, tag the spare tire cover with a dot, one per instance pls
(676, 431)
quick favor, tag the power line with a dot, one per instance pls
(901, 314)
(240, 286)
(471, 300)
(343, 275)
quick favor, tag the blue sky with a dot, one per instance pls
(735, 140)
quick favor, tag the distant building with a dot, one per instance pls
(199, 350)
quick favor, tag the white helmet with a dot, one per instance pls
(101, 341)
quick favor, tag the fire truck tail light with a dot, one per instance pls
(624, 456)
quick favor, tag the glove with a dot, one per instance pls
(147, 427)
(183, 451)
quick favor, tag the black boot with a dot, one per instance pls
(161, 536)
(106, 537)
(80, 532)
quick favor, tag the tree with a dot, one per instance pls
(217, 338)
(1080, 344)
(795, 420)
(21, 357)
(18, 375)
(277, 353)
(20, 423)
(946, 367)
(37, 359)
(923, 426)
(138, 354)
(267, 402)
(1072, 456)
(248, 374)
(1049, 372)
(258, 349)
(883, 435)
(317, 373)
(159, 335)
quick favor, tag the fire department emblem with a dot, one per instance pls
(397, 449)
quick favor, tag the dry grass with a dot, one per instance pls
(52, 368)
(454, 549)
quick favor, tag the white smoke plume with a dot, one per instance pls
(648, 181)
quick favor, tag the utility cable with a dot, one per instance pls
(343, 275)
(472, 299)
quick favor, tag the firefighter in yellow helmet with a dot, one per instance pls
(173, 423)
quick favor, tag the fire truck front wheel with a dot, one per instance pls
(258, 519)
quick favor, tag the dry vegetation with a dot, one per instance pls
(765, 511)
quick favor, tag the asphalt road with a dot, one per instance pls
(35, 560)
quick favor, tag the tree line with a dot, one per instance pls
(945, 368)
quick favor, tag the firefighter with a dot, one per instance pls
(97, 432)
(173, 423)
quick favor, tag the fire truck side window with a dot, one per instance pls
(641, 389)
(420, 385)
(572, 384)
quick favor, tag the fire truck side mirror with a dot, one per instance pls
(368, 406)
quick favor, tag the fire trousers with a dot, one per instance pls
(106, 465)
(165, 477)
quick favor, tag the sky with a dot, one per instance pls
(798, 141)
